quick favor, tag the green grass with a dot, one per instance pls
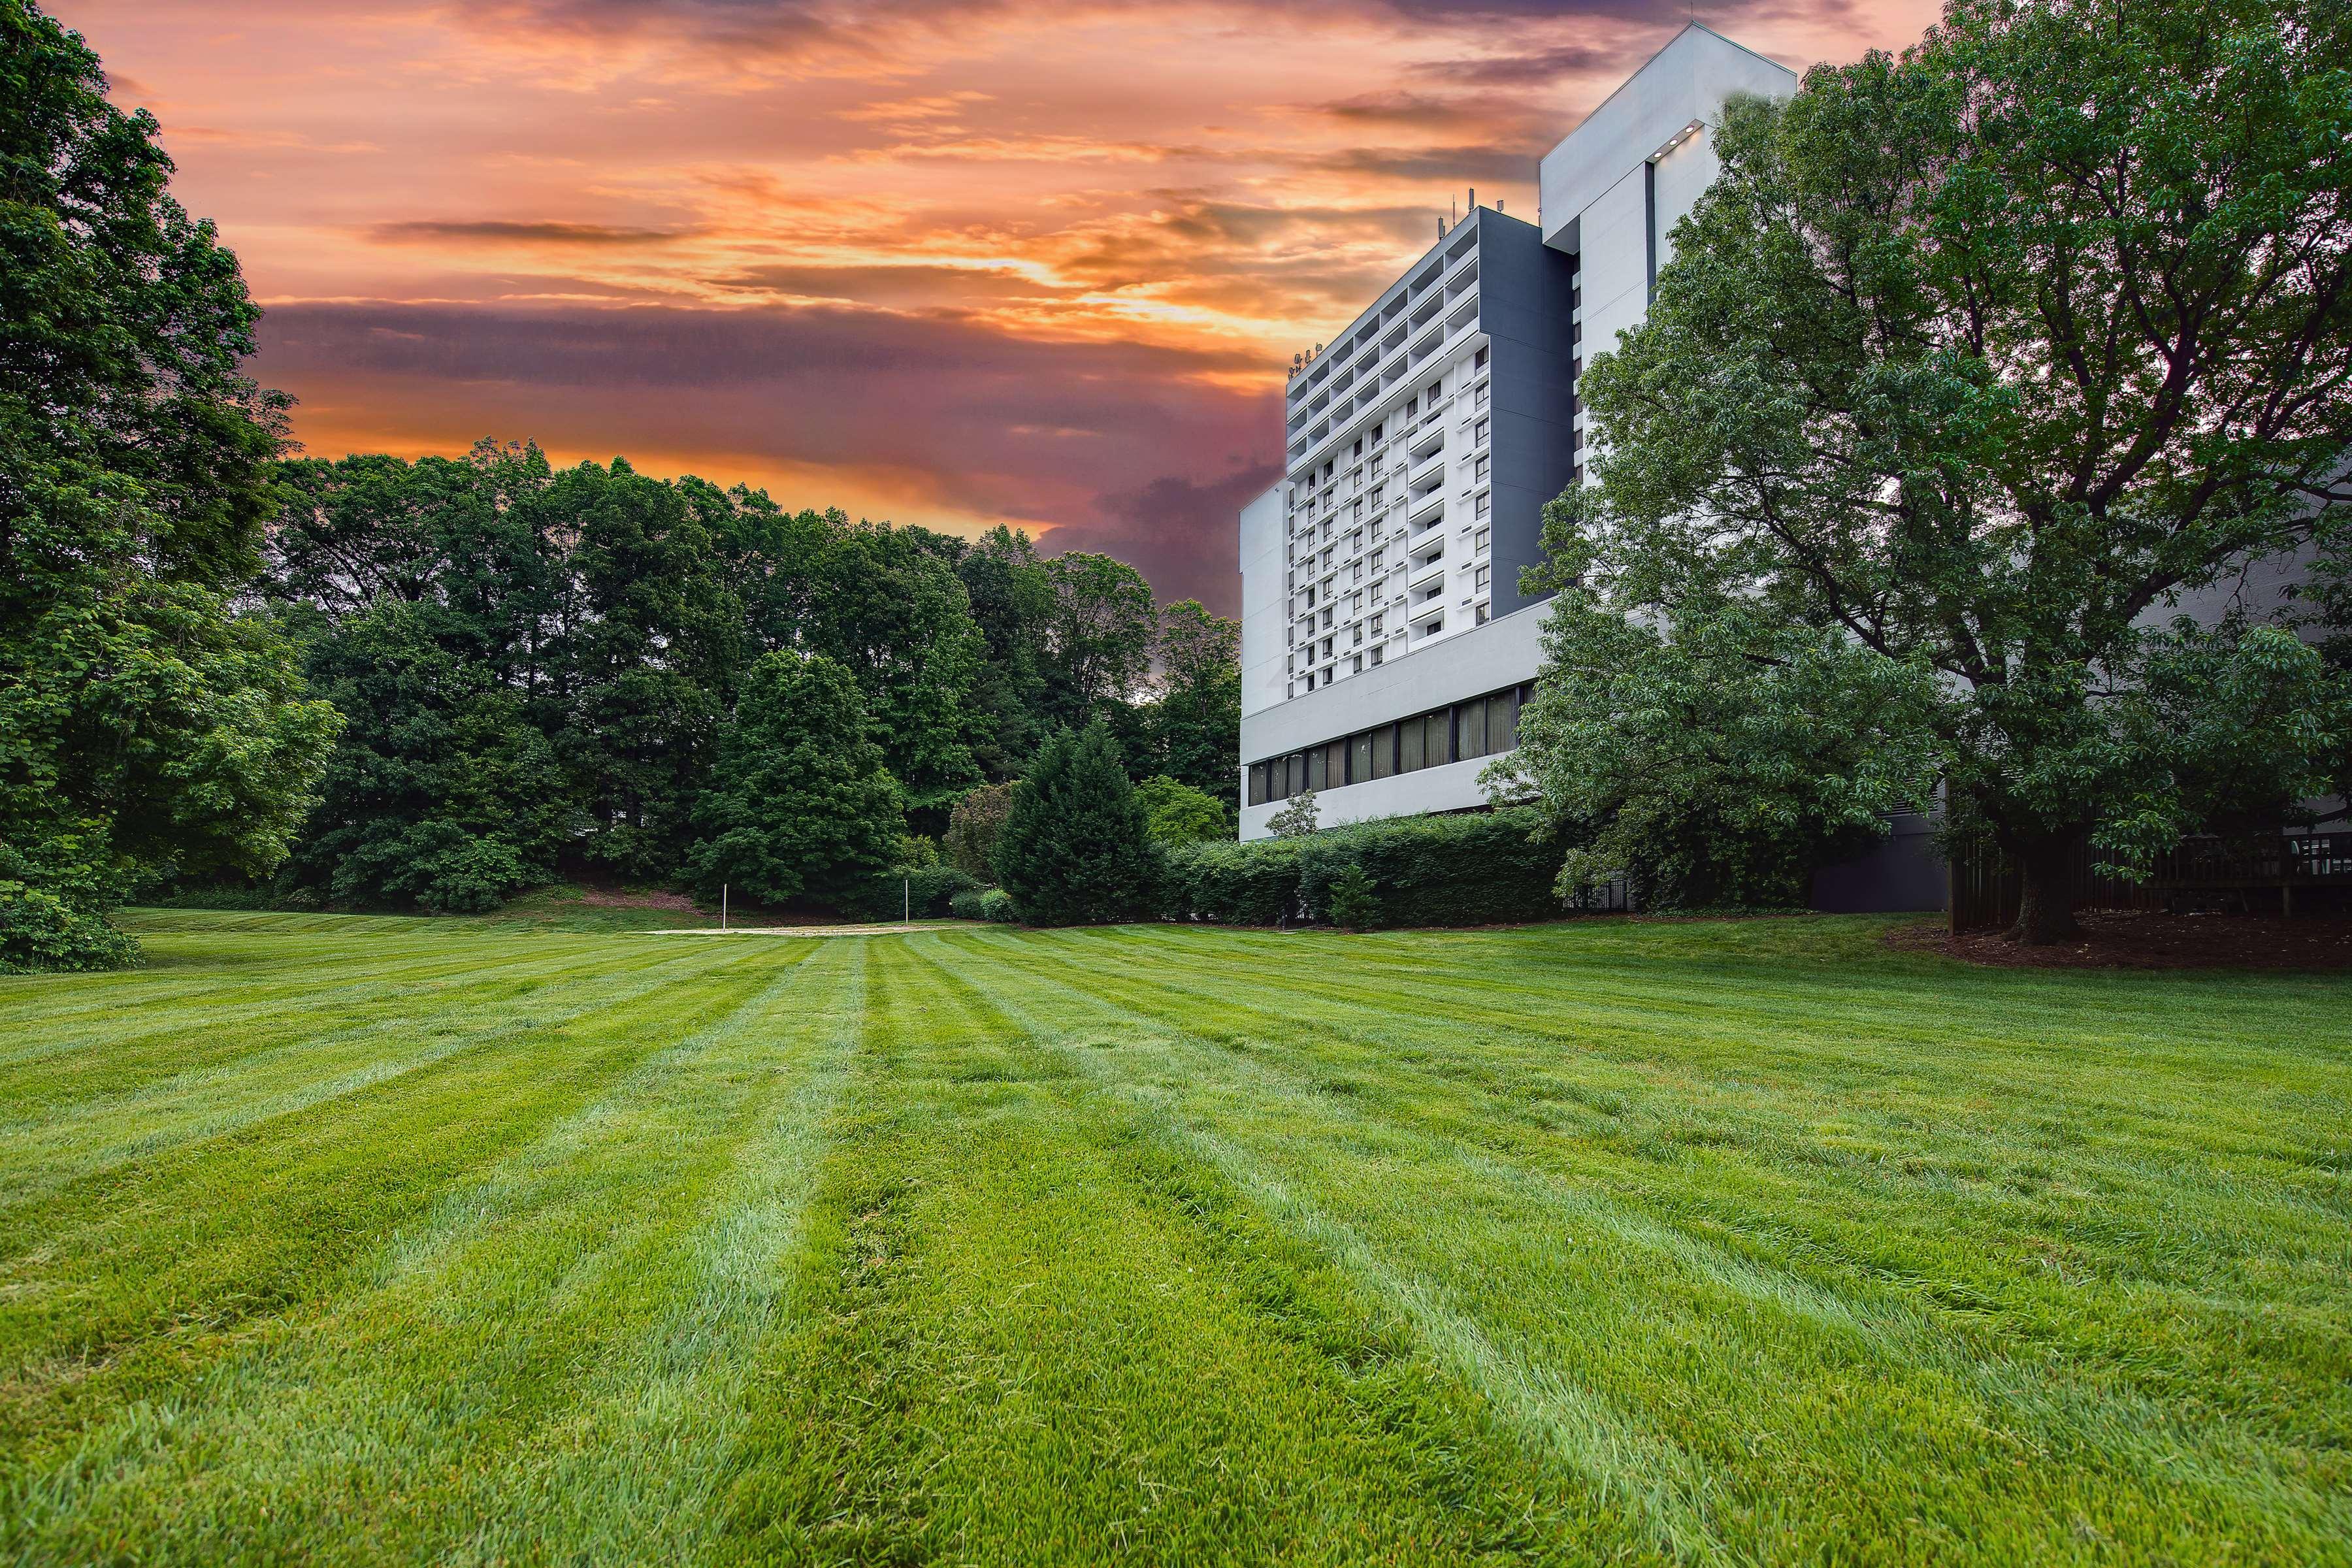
(339, 1239)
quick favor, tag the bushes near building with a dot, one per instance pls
(1486, 869)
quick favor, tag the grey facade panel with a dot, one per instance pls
(1526, 310)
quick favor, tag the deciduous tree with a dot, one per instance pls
(1979, 357)
(145, 726)
(800, 804)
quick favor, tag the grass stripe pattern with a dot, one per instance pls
(369, 1240)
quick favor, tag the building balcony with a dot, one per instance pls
(1424, 511)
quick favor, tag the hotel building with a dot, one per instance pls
(1385, 644)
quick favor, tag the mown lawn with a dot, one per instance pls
(346, 1239)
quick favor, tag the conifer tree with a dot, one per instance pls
(1076, 848)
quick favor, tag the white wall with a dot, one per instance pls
(1687, 80)
(1263, 601)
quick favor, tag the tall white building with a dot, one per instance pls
(1385, 645)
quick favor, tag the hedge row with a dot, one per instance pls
(1478, 869)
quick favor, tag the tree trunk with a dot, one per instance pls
(2045, 913)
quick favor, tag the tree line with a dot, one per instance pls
(590, 669)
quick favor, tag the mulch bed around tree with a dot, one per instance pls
(2134, 939)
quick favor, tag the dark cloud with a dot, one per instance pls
(1532, 69)
(1181, 533)
(1490, 165)
(882, 284)
(976, 419)
(506, 231)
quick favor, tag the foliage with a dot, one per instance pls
(895, 614)
(442, 792)
(1474, 868)
(1982, 356)
(1352, 903)
(1076, 848)
(800, 804)
(1251, 884)
(915, 892)
(1198, 713)
(611, 617)
(1179, 814)
(2240, 722)
(1707, 751)
(1100, 630)
(984, 904)
(974, 824)
(143, 725)
(1297, 818)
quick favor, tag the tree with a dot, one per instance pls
(1711, 752)
(1980, 357)
(973, 826)
(1012, 600)
(145, 726)
(1179, 814)
(441, 791)
(1297, 819)
(896, 615)
(1076, 848)
(1098, 636)
(652, 635)
(1196, 721)
(800, 804)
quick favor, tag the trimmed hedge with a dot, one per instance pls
(1484, 869)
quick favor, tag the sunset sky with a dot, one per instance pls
(945, 263)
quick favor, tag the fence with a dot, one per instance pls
(2254, 874)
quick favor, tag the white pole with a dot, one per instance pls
(722, 906)
(906, 901)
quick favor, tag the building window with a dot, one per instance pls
(1316, 778)
(1484, 503)
(1478, 541)
(1383, 744)
(1359, 658)
(1478, 470)
(1376, 624)
(1480, 400)
(1376, 654)
(1480, 614)
(1483, 575)
(1478, 360)
(1478, 433)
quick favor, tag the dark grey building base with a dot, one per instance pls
(1903, 872)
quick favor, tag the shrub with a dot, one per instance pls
(1354, 905)
(1296, 820)
(1253, 884)
(1477, 869)
(983, 904)
(1075, 849)
(49, 928)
